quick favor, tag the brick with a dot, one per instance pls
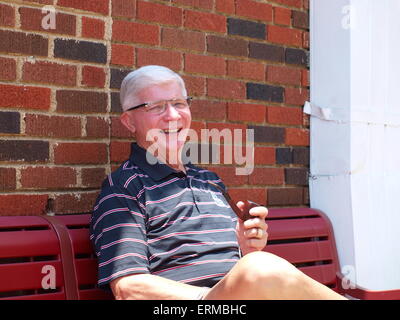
(49, 72)
(80, 153)
(297, 137)
(246, 70)
(98, 6)
(264, 155)
(228, 175)
(198, 126)
(264, 134)
(22, 204)
(159, 13)
(115, 102)
(32, 19)
(93, 77)
(296, 96)
(7, 179)
(8, 69)
(119, 151)
(123, 8)
(208, 110)
(227, 46)
(93, 177)
(306, 40)
(301, 156)
(81, 101)
(225, 6)
(284, 115)
(195, 86)
(48, 178)
(296, 56)
(286, 36)
(80, 50)
(305, 78)
(282, 16)
(289, 3)
(284, 75)
(284, 155)
(204, 4)
(77, 202)
(52, 126)
(256, 91)
(225, 133)
(246, 28)
(97, 127)
(266, 52)
(7, 16)
(21, 43)
(254, 10)
(117, 76)
(257, 195)
(222, 88)
(24, 97)
(9, 122)
(133, 32)
(285, 196)
(122, 54)
(267, 176)
(183, 39)
(205, 21)
(93, 28)
(300, 19)
(195, 63)
(118, 130)
(170, 59)
(246, 112)
(298, 176)
(306, 196)
(24, 150)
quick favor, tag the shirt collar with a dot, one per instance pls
(153, 167)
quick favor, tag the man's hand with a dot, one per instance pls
(252, 234)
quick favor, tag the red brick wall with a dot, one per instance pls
(244, 61)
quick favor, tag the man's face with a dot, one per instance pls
(165, 128)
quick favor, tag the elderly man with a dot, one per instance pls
(163, 230)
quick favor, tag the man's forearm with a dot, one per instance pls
(150, 287)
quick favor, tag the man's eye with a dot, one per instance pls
(179, 104)
(155, 108)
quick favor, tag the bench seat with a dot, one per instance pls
(51, 258)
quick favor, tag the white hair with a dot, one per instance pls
(144, 77)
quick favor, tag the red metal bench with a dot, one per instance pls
(33, 248)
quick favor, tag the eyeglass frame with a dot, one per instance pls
(187, 99)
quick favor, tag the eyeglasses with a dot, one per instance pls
(159, 107)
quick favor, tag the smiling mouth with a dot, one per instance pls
(170, 131)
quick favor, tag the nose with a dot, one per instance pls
(170, 112)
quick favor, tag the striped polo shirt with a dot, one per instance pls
(150, 218)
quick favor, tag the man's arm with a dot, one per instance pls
(151, 287)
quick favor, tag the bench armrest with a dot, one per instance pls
(351, 290)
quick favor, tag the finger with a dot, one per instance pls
(260, 212)
(255, 233)
(255, 223)
(256, 243)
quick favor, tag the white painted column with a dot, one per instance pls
(355, 133)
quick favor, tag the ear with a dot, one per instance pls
(128, 122)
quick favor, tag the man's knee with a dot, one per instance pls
(265, 269)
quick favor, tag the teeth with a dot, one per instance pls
(171, 131)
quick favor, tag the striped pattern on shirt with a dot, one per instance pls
(153, 219)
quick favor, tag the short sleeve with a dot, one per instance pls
(118, 234)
